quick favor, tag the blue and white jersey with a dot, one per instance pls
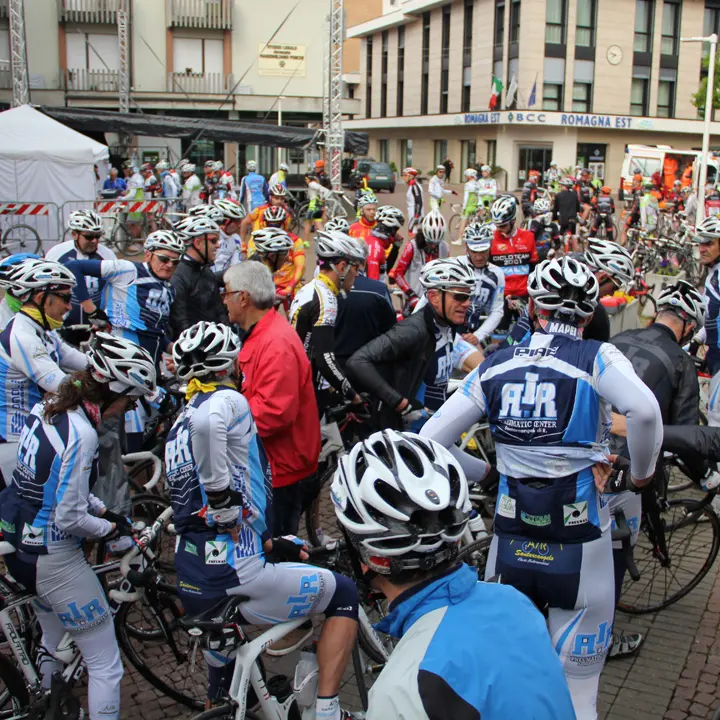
(32, 362)
(229, 252)
(712, 311)
(65, 252)
(49, 507)
(212, 445)
(254, 190)
(487, 300)
(170, 185)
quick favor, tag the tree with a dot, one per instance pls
(698, 99)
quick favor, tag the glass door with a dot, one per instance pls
(533, 158)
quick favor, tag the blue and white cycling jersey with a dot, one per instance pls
(712, 311)
(254, 190)
(63, 253)
(49, 507)
(32, 362)
(487, 300)
(170, 185)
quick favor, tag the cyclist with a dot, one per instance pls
(253, 188)
(633, 214)
(151, 187)
(437, 189)
(384, 242)
(649, 210)
(273, 247)
(314, 311)
(33, 359)
(225, 183)
(191, 187)
(548, 405)
(414, 198)
(195, 284)
(659, 360)
(470, 202)
(514, 252)
(552, 176)
(86, 228)
(13, 298)
(604, 209)
(542, 225)
(134, 191)
(566, 207)
(280, 177)
(367, 207)
(289, 275)
(53, 510)
(220, 489)
(229, 251)
(409, 555)
(317, 197)
(530, 194)
(256, 220)
(428, 244)
(487, 299)
(487, 187)
(322, 176)
(137, 296)
(708, 239)
(170, 185)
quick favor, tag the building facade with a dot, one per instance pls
(581, 80)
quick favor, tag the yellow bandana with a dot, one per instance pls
(36, 315)
(196, 386)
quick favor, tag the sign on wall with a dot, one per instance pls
(281, 59)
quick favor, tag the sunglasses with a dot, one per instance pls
(460, 297)
(65, 297)
(91, 236)
(165, 260)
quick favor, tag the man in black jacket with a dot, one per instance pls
(197, 290)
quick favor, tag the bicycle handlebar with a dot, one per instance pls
(142, 457)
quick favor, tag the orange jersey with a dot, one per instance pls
(258, 223)
(285, 275)
(361, 229)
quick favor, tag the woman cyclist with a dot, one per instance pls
(52, 509)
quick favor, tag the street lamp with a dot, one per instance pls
(713, 40)
(280, 150)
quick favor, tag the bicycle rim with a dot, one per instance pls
(320, 520)
(692, 543)
(20, 238)
(376, 646)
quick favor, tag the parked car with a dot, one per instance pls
(380, 175)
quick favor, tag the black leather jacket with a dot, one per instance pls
(392, 366)
(197, 296)
(697, 446)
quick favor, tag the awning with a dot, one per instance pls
(244, 133)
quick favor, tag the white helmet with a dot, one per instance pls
(367, 198)
(611, 258)
(541, 205)
(284, 167)
(251, 166)
(278, 190)
(401, 497)
(478, 238)
(205, 348)
(440, 167)
(230, 209)
(553, 163)
(33, 275)
(165, 240)
(471, 172)
(447, 273)
(504, 210)
(391, 217)
(564, 287)
(485, 168)
(272, 240)
(195, 226)
(208, 211)
(683, 299)
(337, 223)
(217, 166)
(87, 221)
(187, 168)
(127, 368)
(162, 166)
(333, 244)
(433, 227)
(708, 229)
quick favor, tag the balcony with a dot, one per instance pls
(199, 83)
(204, 14)
(82, 80)
(90, 11)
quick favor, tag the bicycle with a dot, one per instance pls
(20, 238)
(479, 218)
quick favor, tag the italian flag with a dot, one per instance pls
(497, 88)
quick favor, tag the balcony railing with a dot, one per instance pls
(83, 80)
(200, 83)
(90, 11)
(5, 75)
(205, 14)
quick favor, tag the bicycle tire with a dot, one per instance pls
(22, 244)
(375, 609)
(314, 526)
(124, 242)
(14, 695)
(648, 556)
(454, 226)
(224, 712)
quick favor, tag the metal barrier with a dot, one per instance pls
(28, 227)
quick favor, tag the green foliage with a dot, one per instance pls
(393, 167)
(698, 99)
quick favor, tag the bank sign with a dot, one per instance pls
(529, 117)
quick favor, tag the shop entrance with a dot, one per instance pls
(533, 158)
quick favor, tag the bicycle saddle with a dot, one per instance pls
(216, 617)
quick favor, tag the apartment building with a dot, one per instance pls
(231, 59)
(581, 80)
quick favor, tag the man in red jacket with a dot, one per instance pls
(277, 383)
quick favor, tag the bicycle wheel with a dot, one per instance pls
(14, 696)
(692, 539)
(320, 520)
(454, 226)
(376, 646)
(20, 239)
(124, 242)
(677, 480)
(476, 554)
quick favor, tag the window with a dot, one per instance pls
(425, 70)
(197, 56)
(666, 92)
(585, 32)
(406, 154)
(492, 152)
(440, 152)
(445, 60)
(467, 55)
(552, 96)
(639, 96)
(712, 21)
(514, 21)
(401, 71)
(468, 154)
(554, 79)
(670, 28)
(499, 24)
(581, 97)
(383, 74)
(87, 51)
(384, 150)
(643, 26)
(368, 76)
(555, 22)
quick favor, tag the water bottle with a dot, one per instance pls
(306, 678)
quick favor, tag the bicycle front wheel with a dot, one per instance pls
(20, 239)
(14, 696)
(320, 521)
(692, 541)
(454, 226)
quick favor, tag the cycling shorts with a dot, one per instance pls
(314, 214)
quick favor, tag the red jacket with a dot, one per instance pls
(513, 256)
(277, 382)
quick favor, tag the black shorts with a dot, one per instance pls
(313, 214)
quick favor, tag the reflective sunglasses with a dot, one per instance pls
(65, 297)
(165, 260)
(460, 297)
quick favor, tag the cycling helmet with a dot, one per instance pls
(251, 166)
(272, 240)
(683, 299)
(276, 214)
(367, 198)
(553, 164)
(611, 258)
(446, 273)
(410, 171)
(471, 172)
(337, 223)
(35, 274)
(209, 164)
(504, 210)
(194, 226)
(146, 167)
(278, 190)
(541, 206)
(568, 181)
(433, 227)
(128, 164)
(391, 217)
(207, 211)
(478, 238)
(708, 229)
(284, 166)
(187, 168)
(218, 166)
(403, 500)
(231, 209)
(165, 240)
(6, 265)
(486, 168)
(125, 367)
(87, 221)
(564, 287)
(162, 166)
(330, 244)
(204, 349)
(606, 190)
(440, 168)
